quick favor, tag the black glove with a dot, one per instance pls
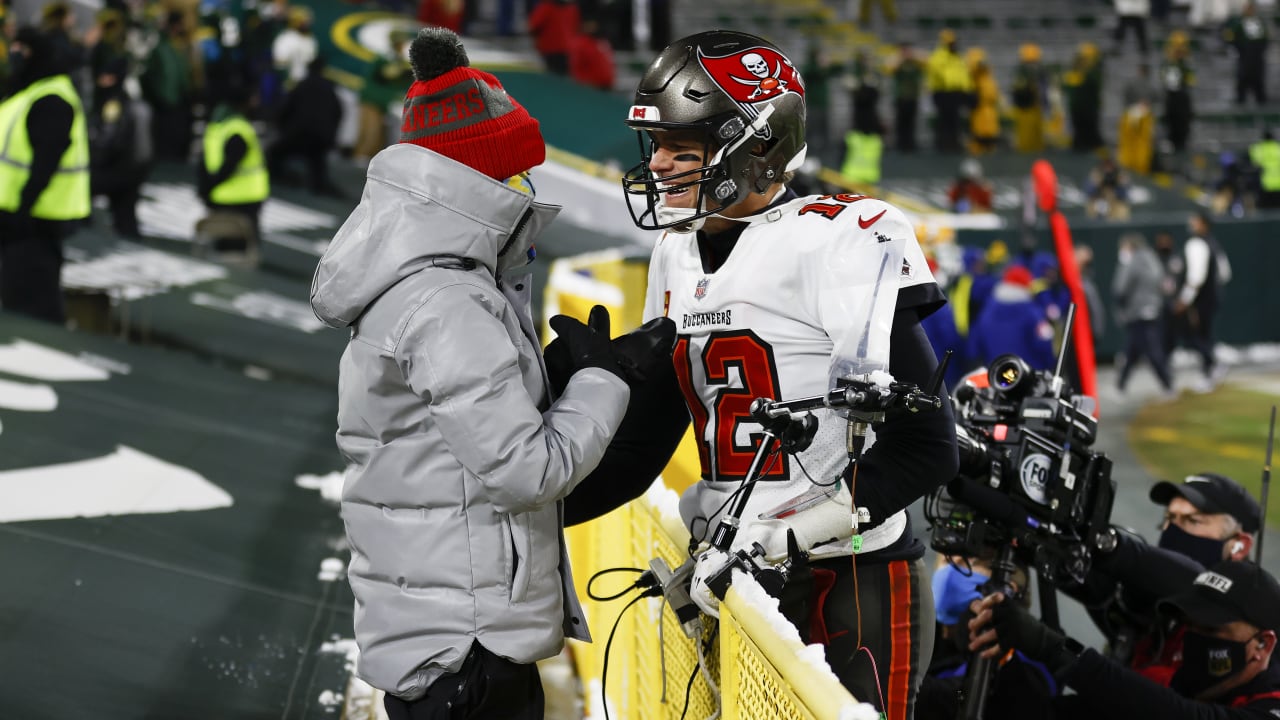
(585, 346)
(645, 349)
(1016, 628)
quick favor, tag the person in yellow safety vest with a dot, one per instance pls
(862, 157)
(1265, 155)
(233, 169)
(44, 176)
(947, 77)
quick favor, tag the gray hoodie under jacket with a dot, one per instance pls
(459, 459)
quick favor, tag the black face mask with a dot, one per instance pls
(1206, 551)
(1206, 661)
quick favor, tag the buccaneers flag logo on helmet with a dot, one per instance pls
(753, 75)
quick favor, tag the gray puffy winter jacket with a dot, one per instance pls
(459, 459)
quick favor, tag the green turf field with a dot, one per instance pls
(1224, 431)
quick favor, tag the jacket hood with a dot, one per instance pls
(420, 209)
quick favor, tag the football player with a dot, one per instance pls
(780, 296)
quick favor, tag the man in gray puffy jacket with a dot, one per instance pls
(460, 454)
(1139, 298)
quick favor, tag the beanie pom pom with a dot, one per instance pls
(436, 51)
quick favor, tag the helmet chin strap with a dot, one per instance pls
(695, 224)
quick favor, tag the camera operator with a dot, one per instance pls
(1021, 687)
(1231, 613)
(1208, 518)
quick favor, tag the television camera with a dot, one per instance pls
(1029, 492)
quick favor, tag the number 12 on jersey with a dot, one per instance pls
(738, 367)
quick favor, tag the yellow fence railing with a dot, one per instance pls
(762, 670)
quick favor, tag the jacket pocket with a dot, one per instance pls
(517, 527)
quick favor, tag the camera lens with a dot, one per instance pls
(1009, 374)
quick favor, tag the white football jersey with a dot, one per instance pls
(810, 279)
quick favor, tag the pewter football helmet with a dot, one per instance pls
(738, 92)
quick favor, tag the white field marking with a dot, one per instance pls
(22, 357)
(126, 482)
(171, 210)
(331, 569)
(261, 305)
(330, 485)
(130, 271)
(27, 397)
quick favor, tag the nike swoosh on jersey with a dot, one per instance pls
(864, 224)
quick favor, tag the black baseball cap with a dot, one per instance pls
(1231, 591)
(1213, 493)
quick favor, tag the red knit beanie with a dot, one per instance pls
(463, 113)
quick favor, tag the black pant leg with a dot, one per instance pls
(31, 272)
(892, 603)
(487, 687)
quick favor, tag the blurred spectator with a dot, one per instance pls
(591, 58)
(109, 57)
(553, 24)
(1205, 14)
(1107, 191)
(1089, 288)
(1132, 14)
(617, 22)
(232, 172)
(505, 25)
(863, 81)
(1160, 12)
(660, 22)
(969, 193)
(384, 84)
(168, 87)
(295, 47)
(6, 32)
(1135, 141)
(1177, 79)
(947, 78)
(1199, 293)
(864, 144)
(222, 57)
(1029, 93)
(57, 21)
(1136, 290)
(1173, 266)
(940, 328)
(1012, 322)
(308, 128)
(817, 72)
(1234, 188)
(887, 9)
(972, 289)
(260, 28)
(442, 13)
(984, 118)
(44, 181)
(908, 79)
(1265, 155)
(862, 155)
(1248, 34)
(1083, 82)
(1047, 287)
(120, 147)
